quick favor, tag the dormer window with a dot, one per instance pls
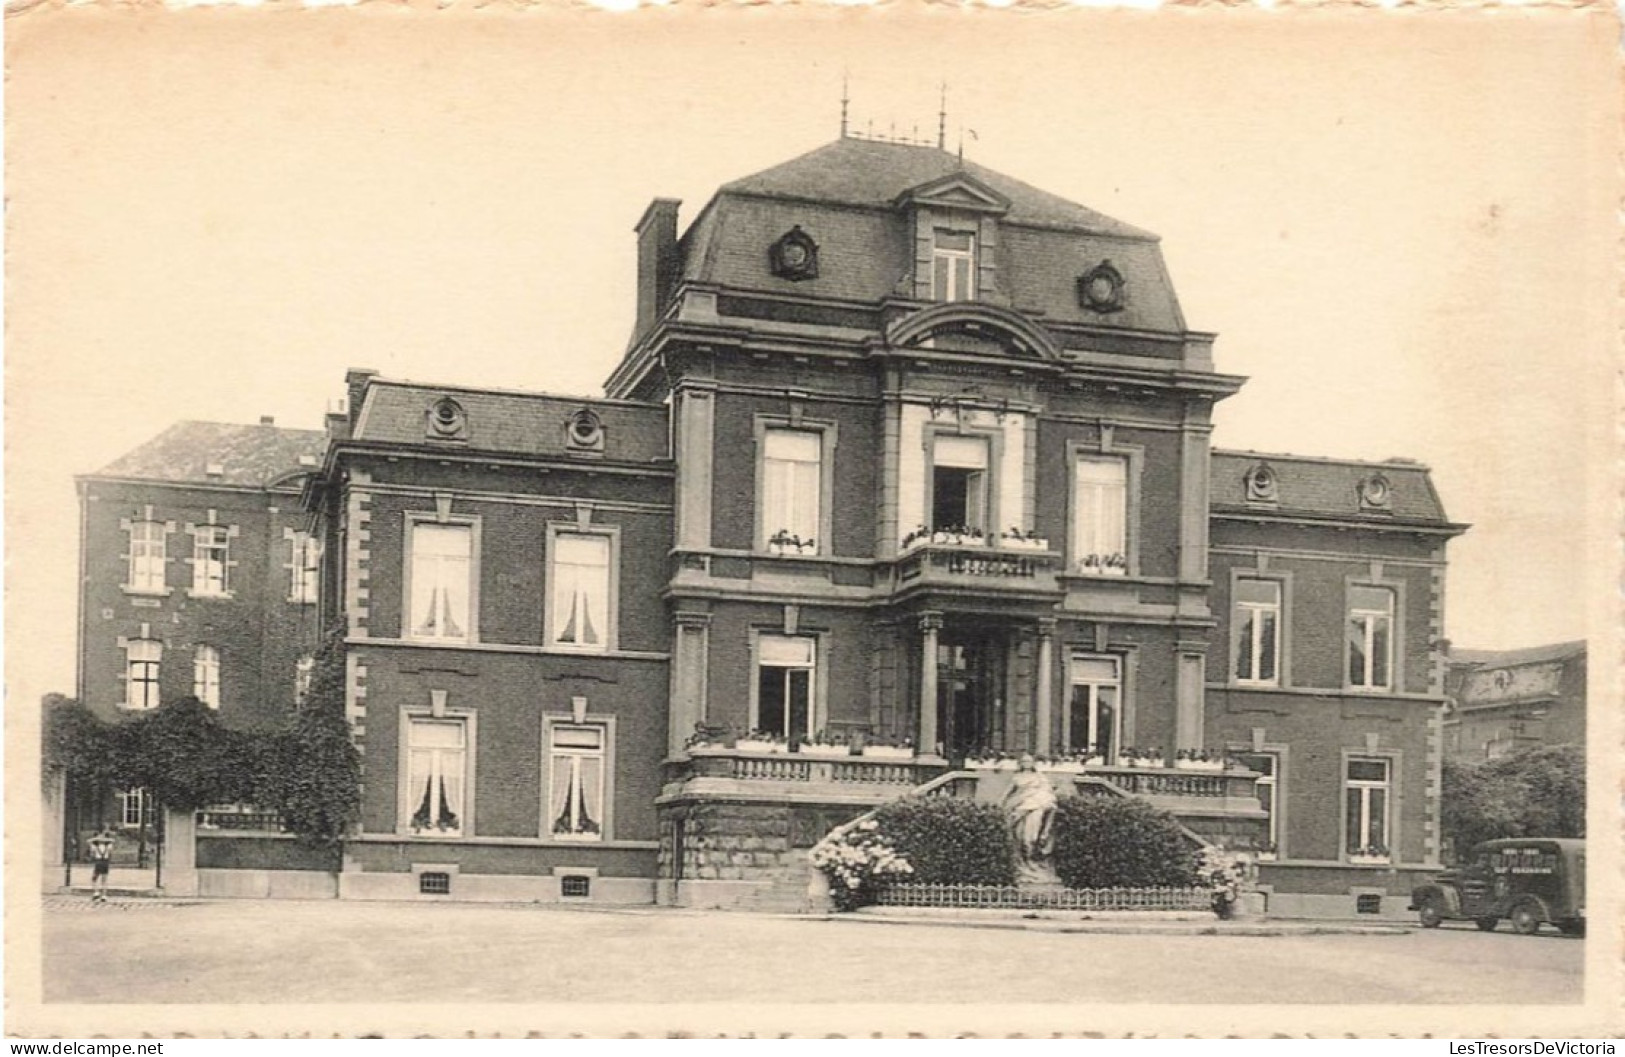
(953, 265)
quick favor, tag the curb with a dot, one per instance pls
(1119, 927)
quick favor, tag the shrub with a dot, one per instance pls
(1117, 842)
(948, 840)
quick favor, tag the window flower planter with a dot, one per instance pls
(753, 745)
(1370, 860)
(1062, 767)
(888, 752)
(825, 751)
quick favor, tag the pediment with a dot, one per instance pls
(955, 191)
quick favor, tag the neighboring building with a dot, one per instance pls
(197, 577)
(1504, 701)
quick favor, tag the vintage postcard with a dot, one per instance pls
(713, 519)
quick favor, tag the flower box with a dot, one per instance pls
(827, 751)
(1370, 860)
(752, 745)
(1020, 543)
(1062, 767)
(888, 752)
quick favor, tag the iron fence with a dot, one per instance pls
(1009, 897)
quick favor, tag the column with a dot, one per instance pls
(930, 624)
(1042, 723)
(688, 677)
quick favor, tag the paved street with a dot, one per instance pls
(280, 952)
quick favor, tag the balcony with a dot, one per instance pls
(794, 776)
(954, 563)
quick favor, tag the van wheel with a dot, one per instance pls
(1487, 924)
(1430, 914)
(1525, 919)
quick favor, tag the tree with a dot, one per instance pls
(1536, 793)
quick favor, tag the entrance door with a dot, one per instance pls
(970, 688)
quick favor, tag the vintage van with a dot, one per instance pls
(1528, 880)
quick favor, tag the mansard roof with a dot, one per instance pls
(256, 456)
(875, 174)
(507, 422)
(1326, 488)
(1557, 651)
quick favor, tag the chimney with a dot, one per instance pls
(657, 253)
(356, 380)
(267, 420)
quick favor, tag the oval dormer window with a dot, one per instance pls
(447, 419)
(584, 431)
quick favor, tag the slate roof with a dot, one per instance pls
(247, 456)
(871, 173)
(508, 421)
(1314, 487)
(1559, 651)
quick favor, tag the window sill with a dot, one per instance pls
(147, 592)
(1369, 860)
(296, 601)
(413, 640)
(580, 651)
(220, 596)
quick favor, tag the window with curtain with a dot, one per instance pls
(953, 265)
(211, 553)
(1100, 517)
(959, 483)
(206, 676)
(436, 779)
(1094, 713)
(1367, 795)
(1258, 623)
(146, 556)
(785, 670)
(579, 569)
(576, 774)
(442, 571)
(141, 660)
(792, 486)
(1370, 637)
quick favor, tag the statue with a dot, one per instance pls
(1031, 802)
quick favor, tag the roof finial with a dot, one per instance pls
(942, 120)
(844, 101)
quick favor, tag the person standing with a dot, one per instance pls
(101, 864)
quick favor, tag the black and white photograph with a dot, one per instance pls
(811, 520)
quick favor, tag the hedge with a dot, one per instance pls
(948, 840)
(1119, 842)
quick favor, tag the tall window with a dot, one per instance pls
(304, 671)
(211, 553)
(146, 556)
(436, 779)
(959, 483)
(953, 265)
(304, 567)
(579, 570)
(132, 809)
(1366, 804)
(1258, 623)
(1094, 713)
(792, 486)
(1370, 637)
(576, 770)
(442, 570)
(785, 669)
(141, 658)
(1268, 767)
(1100, 519)
(206, 676)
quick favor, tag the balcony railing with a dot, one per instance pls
(850, 771)
(970, 561)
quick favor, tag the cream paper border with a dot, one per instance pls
(28, 384)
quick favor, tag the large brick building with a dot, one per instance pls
(905, 459)
(197, 577)
(1504, 701)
